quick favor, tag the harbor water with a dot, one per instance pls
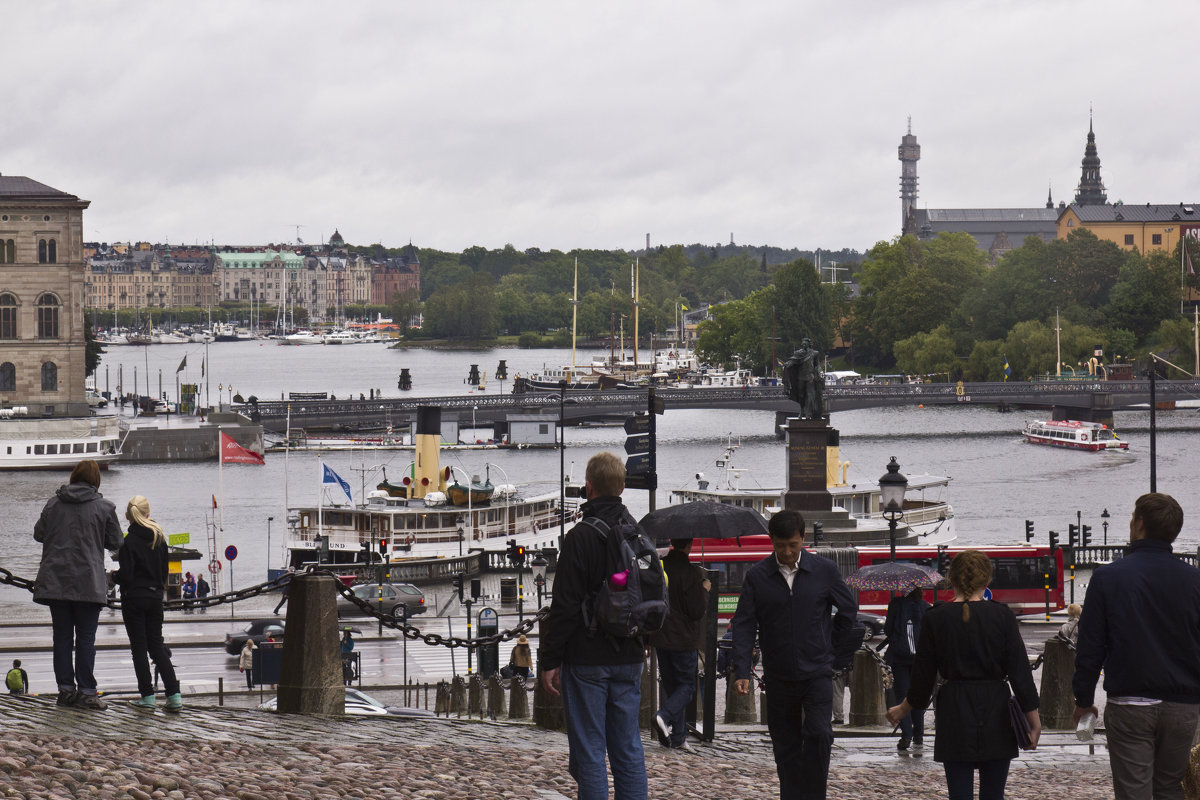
(998, 480)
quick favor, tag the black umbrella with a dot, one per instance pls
(703, 519)
(894, 576)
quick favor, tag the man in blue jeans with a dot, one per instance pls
(786, 601)
(1141, 624)
(599, 676)
(675, 645)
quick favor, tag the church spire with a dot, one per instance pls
(1091, 189)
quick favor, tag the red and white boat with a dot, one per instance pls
(1091, 436)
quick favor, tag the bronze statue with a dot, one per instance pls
(804, 382)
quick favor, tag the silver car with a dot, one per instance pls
(395, 596)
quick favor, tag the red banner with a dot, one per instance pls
(234, 453)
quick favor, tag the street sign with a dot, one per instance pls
(637, 465)
(230, 553)
(641, 481)
(176, 539)
(637, 424)
(639, 443)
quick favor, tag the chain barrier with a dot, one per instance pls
(389, 620)
(883, 665)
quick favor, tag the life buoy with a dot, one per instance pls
(1085, 436)
(408, 540)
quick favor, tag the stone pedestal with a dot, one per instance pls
(458, 696)
(807, 443)
(867, 707)
(474, 696)
(1057, 699)
(495, 697)
(739, 708)
(518, 699)
(547, 708)
(310, 677)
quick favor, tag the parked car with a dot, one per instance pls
(394, 595)
(258, 630)
(361, 704)
(95, 399)
(874, 623)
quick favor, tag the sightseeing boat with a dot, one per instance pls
(58, 443)
(927, 516)
(419, 519)
(1091, 436)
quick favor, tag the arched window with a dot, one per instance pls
(8, 316)
(42, 251)
(8, 377)
(53, 256)
(49, 377)
(47, 316)
(8, 251)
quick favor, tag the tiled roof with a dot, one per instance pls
(14, 186)
(936, 215)
(1179, 212)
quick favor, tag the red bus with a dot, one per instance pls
(1019, 571)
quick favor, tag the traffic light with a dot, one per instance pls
(511, 551)
(1053, 541)
(520, 559)
(457, 580)
(943, 560)
(383, 546)
(1086, 535)
(1073, 535)
(1028, 530)
(476, 588)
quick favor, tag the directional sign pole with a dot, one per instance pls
(653, 412)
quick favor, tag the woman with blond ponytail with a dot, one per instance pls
(143, 580)
(976, 647)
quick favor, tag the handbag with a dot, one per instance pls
(1020, 723)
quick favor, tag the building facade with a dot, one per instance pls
(42, 297)
(1144, 228)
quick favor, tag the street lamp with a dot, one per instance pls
(538, 565)
(460, 522)
(269, 520)
(1104, 518)
(892, 486)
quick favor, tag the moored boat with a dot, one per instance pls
(1074, 434)
(57, 443)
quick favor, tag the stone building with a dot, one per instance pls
(42, 296)
(392, 276)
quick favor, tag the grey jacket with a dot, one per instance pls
(76, 526)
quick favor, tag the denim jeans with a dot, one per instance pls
(143, 617)
(912, 725)
(960, 779)
(1148, 748)
(798, 719)
(677, 674)
(74, 626)
(600, 708)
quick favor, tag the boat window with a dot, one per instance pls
(92, 447)
(52, 449)
(39, 449)
(77, 447)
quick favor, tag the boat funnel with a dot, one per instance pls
(833, 472)
(427, 475)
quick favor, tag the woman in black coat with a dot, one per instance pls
(976, 647)
(143, 580)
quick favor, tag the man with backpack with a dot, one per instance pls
(599, 673)
(676, 644)
(787, 601)
(902, 627)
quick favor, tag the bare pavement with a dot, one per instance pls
(209, 751)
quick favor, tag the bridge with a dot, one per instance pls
(1086, 400)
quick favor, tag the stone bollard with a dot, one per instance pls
(547, 708)
(310, 676)
(495, 697)
(458, 696)
(518, 698)
(739, 708)
(441, 701)
(867, 707)
(474, 696)
(1057, 700)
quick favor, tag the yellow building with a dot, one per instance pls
(1146, 228)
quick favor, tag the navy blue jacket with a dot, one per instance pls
(794, 628)
(1141, 623)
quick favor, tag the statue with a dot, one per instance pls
(804, 382)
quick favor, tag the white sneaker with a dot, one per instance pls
(663, 727)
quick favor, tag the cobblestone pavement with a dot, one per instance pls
(208, 751)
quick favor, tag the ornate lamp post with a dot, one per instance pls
(1104, 519)
(539, 565)
(460, 522)
(892, 486)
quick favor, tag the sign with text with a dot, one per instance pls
(177, 539)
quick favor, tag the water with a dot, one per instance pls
(998, 480)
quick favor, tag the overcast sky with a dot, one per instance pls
(560, 125)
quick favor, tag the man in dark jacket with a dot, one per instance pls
(600, 676)
(786, 601)
(902, 627)
(1141, 625)
(676, 643)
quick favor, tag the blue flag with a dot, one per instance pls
(1007, 369)
(329, 476)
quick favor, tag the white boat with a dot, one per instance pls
(301, 337)
(224, 332)
(415, 516)
(927, 515)
(340, 336)
(1091, 436)
(56, 443)
(159, 336)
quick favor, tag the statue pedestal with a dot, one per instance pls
(807, 443)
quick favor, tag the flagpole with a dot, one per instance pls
(320, 505)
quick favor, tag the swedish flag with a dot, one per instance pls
(1007, 369)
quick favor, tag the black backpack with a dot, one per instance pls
(632, 598)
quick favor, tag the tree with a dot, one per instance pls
(986, 362)
(929, 354)
(735, 331)
(93, 350)
(1030, 349)
(464, 311)
(405, 306)
(1145, 294)
(801, 308)
(1085, 268)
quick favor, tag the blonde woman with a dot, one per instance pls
(143, 580)
(976, 646)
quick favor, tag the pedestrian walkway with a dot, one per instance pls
(210, 751)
